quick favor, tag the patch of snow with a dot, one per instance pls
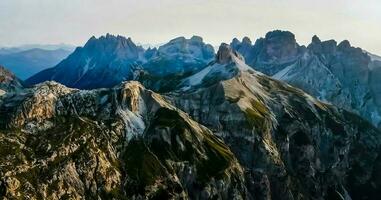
(283, 74)
(86, 67)
(198, 77)
(223, 71)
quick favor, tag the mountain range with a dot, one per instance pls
(109, 60)
(225, 132)
(14, 49)
(336, 73)
(195, 124)
(27, 62)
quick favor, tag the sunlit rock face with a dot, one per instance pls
(336, 73)
(124, 142)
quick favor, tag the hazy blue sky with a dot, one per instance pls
(154, 21)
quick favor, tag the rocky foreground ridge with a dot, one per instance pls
(226, 132)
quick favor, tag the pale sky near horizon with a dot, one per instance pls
(153, 21)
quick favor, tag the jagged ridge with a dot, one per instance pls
(335, 73)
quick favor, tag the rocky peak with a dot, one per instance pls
(224, 54)
(344, 45)
(329, 46)
(111, 44)
(177, 40)
(280, 37)
(194, 46)
(246, 40)
(150, 52)
(316, 39)
(279, 45)
(101, 62)
(246, 48)
(228, 64)
(354, 57)
(180, 55)
(196, 39)
(317, 46)
(235, 42)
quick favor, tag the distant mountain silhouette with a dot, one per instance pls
(25, 63)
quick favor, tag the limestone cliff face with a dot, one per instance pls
(291, 145)
(340, 74)
(125, 142)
